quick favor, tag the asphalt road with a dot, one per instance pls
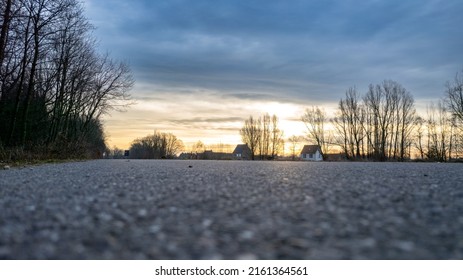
(119, 209)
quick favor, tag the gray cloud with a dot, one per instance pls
(207, 120)
(285, 49)
(299, 51)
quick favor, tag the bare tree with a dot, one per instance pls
(294, 142)
(277, 141)
(263, 136)
(198, 147)
(390, 115)
(454, 96)
(419, 136)
(173, 145)
(114, 153)
(43, 14)
(438, 132)
(315, 120)
(349, 122)
(341, 125)
(54, 86)
(6, 19)
(454, 102)
(155, 146)
(72, 57)
(405, 124)
(251, 134)
(380, 108)
(110, 86)
(264, 143)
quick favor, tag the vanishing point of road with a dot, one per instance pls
(161, 209)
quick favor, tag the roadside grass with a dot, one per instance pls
(19, 157)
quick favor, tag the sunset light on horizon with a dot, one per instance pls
(201, 69)
(198, 122)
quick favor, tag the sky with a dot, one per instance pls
(203, 67)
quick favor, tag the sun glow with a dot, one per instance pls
(289, 115)
(211, 119)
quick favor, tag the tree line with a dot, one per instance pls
(383, 124)
(263, 136)
(54, 85)
(159, 145)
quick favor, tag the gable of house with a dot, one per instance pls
(242, 151)
(311, 152)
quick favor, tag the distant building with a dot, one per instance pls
(335, 157)
(242, 151)
(187, 156)
(214, 155)
(311, 153)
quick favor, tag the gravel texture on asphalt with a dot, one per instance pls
(161, 209)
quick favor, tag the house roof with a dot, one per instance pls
(310, 149)
(241, 149)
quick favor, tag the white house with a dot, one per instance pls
(312, 153)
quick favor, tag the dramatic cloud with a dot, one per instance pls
(297, 52)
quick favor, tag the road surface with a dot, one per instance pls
(160, 209)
